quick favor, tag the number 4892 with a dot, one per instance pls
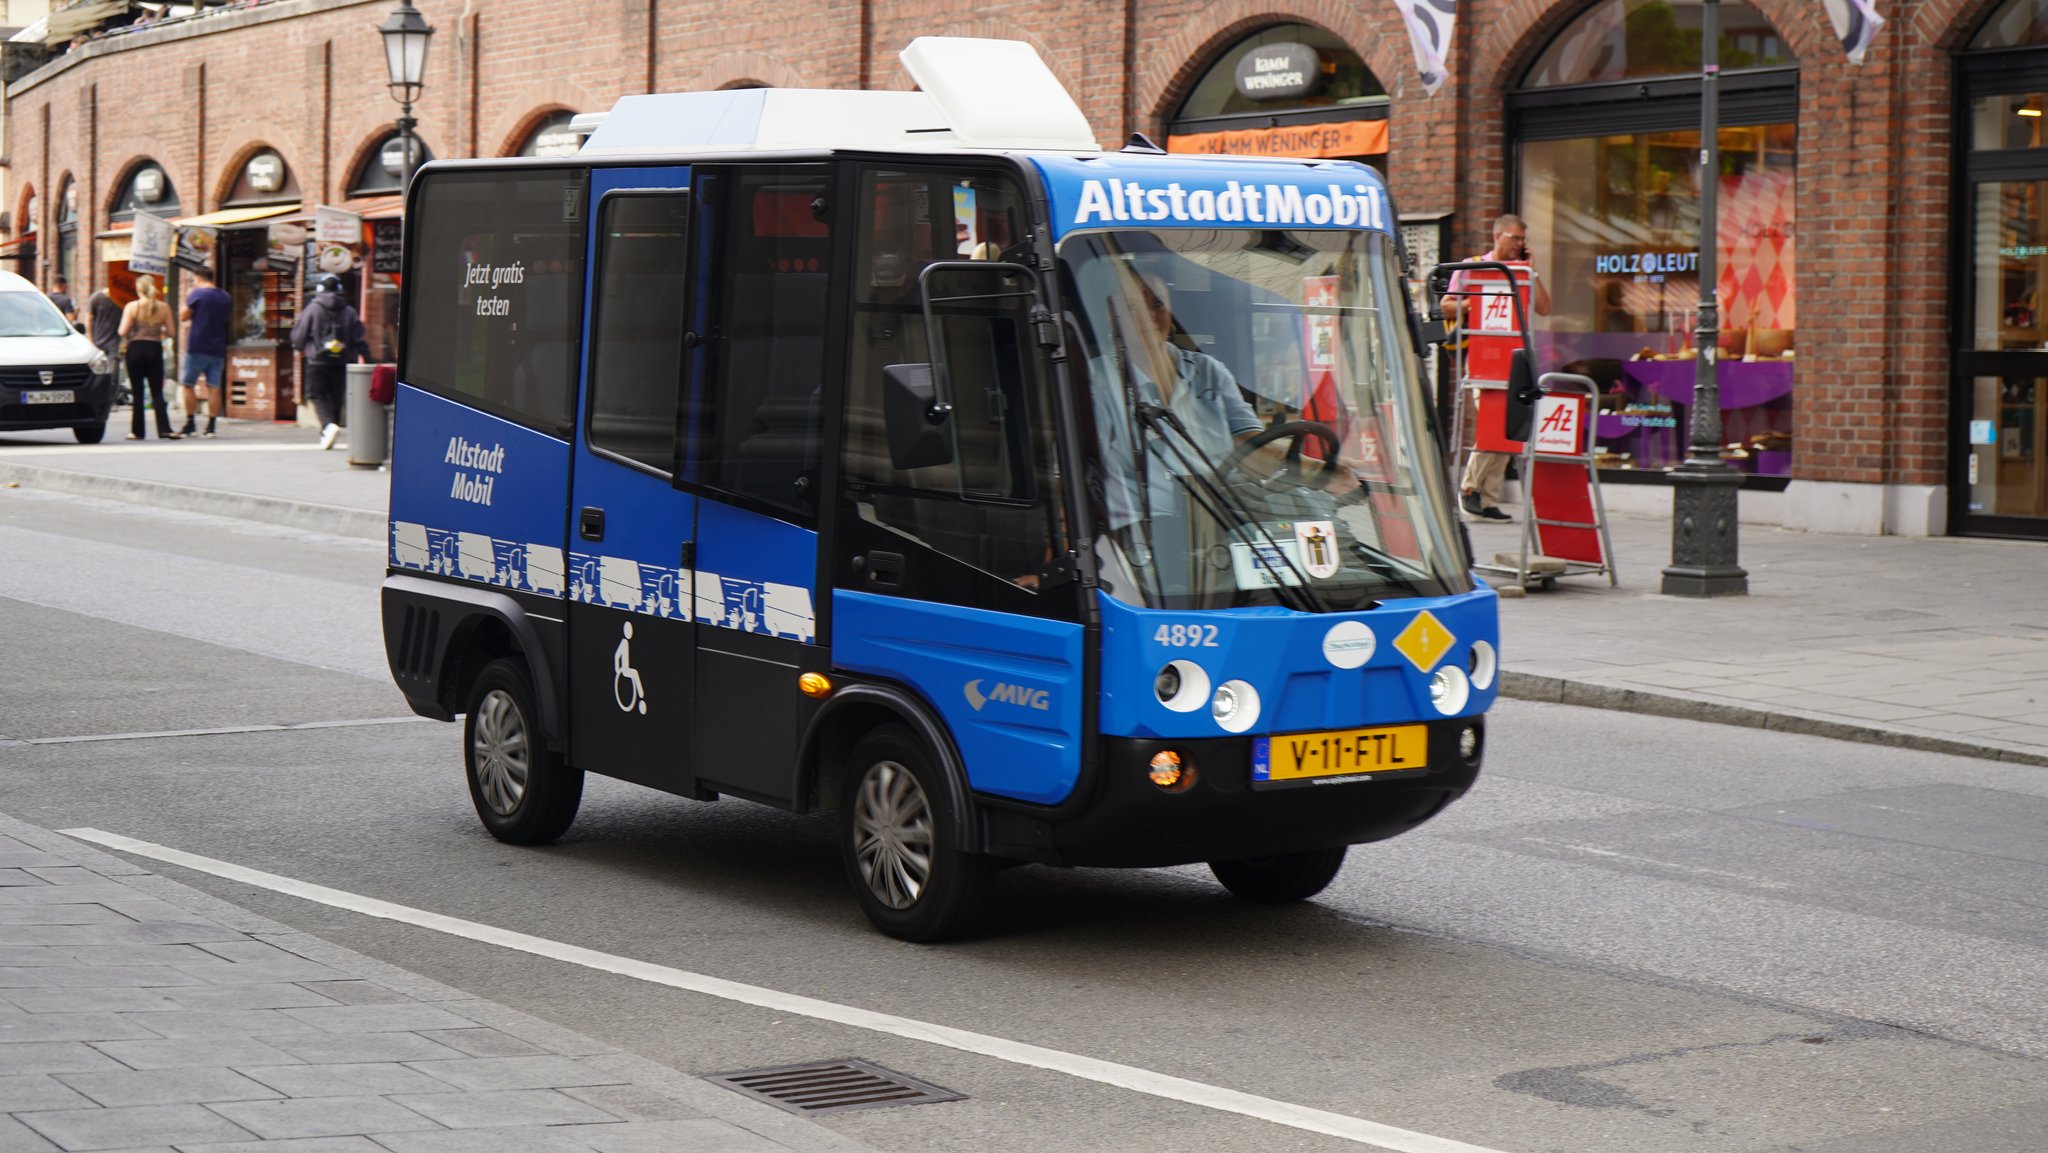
(1186, 636)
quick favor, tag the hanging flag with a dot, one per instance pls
(1429, 31)
(1856, 22)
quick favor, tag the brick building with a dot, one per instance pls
(1888, 379)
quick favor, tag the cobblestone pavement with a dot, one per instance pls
(138, 1014)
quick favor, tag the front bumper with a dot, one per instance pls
(90, 404)
(1133, 823)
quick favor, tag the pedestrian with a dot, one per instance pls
(61, 297)
(206, 350)
(329, 335)
(103, 324)
(1479, 491)
(144, 325)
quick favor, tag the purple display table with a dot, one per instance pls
(1742, 385)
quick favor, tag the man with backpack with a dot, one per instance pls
(330, 336)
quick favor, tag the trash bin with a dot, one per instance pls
(369, 428)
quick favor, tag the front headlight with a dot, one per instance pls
(1450, 689)
(1235, 706)
(100, 365)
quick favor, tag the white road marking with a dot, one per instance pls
(220, 732)
(1073, 1064)
(1701, 870)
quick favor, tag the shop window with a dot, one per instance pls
(1636, 39)
(496, 291)
(67, 232)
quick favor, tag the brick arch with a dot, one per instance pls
(111, 198)
(522, 128)
(22, 224)
(366, 147)
(224, 184)
(988, 28)
(532, 104)
(66, 180)
(1376, 33)
(745, 70)
(1947, 25)
(1510, 43)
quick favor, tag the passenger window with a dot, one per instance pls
(756, 423)
(497, 291)
(989, 505)
(636, 334)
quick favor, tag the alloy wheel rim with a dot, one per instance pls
(892, 824)
(500, 750)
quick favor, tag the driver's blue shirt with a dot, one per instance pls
(1207, 402)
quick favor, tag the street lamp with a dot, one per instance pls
(1703, 498)
(406, 33)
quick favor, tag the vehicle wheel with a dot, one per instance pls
(1281, 877)
(90, 433)
(901, 850)
(524, 793)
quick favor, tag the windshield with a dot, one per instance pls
(30, 314)
(1259, 422)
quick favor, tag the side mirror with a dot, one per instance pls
(916, 418)
(1523, 393)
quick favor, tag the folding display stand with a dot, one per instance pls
(1564, 532)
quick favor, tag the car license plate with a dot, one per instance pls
(50, 396)
(1339, 755)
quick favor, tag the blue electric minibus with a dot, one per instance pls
(908, 455)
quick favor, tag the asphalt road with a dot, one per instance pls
(1635, 935)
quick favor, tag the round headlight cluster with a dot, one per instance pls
(1450, 690)
(1484, 664)
(1182, 686)
(1235, 706)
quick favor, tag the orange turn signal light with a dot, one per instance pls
(816, 686)
(1171, 771)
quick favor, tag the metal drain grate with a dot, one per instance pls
(832, 1087)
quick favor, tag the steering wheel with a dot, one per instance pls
(1295, 472)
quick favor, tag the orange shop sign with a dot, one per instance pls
(1340, 138)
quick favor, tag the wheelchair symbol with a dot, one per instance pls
(626, 687)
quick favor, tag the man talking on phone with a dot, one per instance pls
(1479, 492)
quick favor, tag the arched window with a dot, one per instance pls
(147, 189)
(1285, 90)
(264, 179)
(1606, 134)
(2016, 24)
(383, 170)
(1638, 39)
(551, 137)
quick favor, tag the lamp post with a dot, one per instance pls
(1703, 499)
(406, 33)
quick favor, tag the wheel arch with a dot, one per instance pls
(858, 709)
(438, 636)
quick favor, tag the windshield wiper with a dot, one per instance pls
(1214, 498)
(1141, 464)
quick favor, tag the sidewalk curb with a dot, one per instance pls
(1593, 695)
(327, 518)
(797, 1133)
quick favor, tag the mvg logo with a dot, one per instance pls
(1019, 695)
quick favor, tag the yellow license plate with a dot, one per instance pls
(1360, 754)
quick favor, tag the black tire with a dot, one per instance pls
(90, 433)
(900, 845)
(524, 793)
(1282, 877)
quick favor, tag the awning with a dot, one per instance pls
(375, 207)
(230, 216)
(82, 18)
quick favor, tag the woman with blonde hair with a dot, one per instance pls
(144, 324)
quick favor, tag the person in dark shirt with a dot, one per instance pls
(103, 325)
(61, 297)
(206, 349)
(330, 336)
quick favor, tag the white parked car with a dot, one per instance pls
(51, 376)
